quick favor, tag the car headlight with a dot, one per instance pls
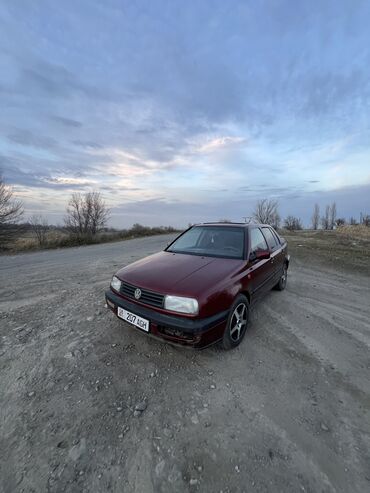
(180, 304)
(116, 283)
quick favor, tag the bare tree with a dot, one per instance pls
(353, 221)
(292, 223)
(266, 212)
(98, 212)
(76, 220)
(315, 219)
(10, 208)
(86, 214)
(11, 211)
(39, 226)
(325, 220)
(366, 219)
(332, 215)
(340, 221)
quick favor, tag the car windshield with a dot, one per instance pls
(211, 241)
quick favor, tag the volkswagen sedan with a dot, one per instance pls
(201, 288)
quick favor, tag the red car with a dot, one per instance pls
(201, 288)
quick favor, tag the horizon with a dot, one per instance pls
(188, 113)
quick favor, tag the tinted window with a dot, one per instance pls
(277, 237)
(270, 238)
(188, 240)
(258, 241)
(211, 241)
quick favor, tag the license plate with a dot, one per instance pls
(133, 319)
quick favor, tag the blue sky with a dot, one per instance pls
(186, 111)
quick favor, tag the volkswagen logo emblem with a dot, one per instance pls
(137, 293)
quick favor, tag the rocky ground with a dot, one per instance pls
(91, 404)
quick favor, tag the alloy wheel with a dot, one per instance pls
(238, 322)
(284, 277)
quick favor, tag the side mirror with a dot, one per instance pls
(260, 255)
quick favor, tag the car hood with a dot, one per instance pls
(176, 273)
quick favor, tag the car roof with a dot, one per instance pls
(243, 225)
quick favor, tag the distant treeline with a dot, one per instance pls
(85, 223)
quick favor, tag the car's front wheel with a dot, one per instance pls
(236, 323)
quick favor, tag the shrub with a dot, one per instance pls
(292, 223)
(61, 238)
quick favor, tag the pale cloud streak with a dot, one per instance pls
(219, 143)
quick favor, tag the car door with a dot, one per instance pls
(282, 252)
(275, 252)
(260, 271)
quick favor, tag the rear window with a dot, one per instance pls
(277, 237)
(270, 238)
(258, 241)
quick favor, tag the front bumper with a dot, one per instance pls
(197, 333)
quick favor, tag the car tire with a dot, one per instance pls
(281, 285)
(237, 323)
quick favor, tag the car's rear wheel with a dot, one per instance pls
(236, 323)
(281, 285)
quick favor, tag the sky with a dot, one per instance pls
(181, 112)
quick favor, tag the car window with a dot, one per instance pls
(270, 238)
(258, 241)
(190, 239)
(276, 236)
(212, 241)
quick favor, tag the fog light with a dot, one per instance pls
(112, 305)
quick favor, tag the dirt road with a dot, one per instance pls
(287, 411)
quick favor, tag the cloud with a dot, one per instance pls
(181, 213)
(68, 122)
(327, 92)
(28, 138)
(70, 181)
(195, 107)
(87, 144)
(50, 80)
(217, 143)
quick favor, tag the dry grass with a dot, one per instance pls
(58, 238)
(359, 232)
(24, 244)
(349, 249)
(28, 241)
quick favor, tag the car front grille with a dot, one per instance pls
(147, 297)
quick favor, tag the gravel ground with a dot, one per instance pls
(91, 404)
